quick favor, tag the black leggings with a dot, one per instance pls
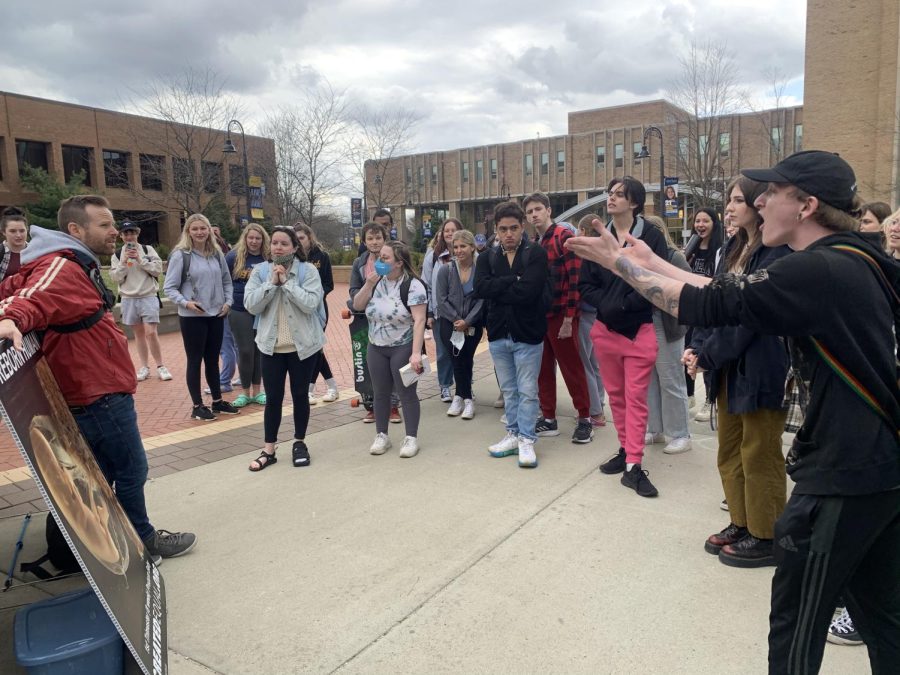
(202, 338)
(275, 369)
(322, 368)
(463, 360)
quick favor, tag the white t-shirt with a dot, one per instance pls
(390, 325)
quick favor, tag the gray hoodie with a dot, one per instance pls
(44, 241)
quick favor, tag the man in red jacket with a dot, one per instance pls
(53, 293)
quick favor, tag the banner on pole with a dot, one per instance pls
(671, 197)
(356, 212)
(257, 192)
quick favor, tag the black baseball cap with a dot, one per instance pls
(128, 225)
(822, 174)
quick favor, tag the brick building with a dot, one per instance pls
(150, 170)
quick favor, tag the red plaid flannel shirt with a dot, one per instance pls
(565, 268)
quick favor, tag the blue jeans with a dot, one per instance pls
(109, 426)
(518, 365)
(442, 356)
(229, 356)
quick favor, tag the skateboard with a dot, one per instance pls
(359, 342)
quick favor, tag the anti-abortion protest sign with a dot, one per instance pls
(108, 549)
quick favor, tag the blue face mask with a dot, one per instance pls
(382, 268)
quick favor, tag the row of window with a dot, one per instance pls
(117, 168)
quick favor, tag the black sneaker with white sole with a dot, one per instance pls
(842, 631)
(224, 408)
(544, 427)
(584, 432)
(300, 454)
(202, 412)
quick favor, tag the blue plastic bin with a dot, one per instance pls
(68, 635)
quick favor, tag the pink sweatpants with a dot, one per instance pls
(625, 367)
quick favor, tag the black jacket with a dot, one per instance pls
(513, 294)
(844, 446)
(754, 366)
(320, 260)
(621, 308)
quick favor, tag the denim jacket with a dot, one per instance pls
(263, 299)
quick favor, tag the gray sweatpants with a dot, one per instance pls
(384, 369)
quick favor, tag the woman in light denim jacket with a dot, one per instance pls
(286, 297)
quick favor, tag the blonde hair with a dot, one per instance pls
(185, 243)
(465, 236)
(241, 250)
(586, 224)
(660, 225)
(885, 226)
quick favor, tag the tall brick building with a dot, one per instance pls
(144, 166)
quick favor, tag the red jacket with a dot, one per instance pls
(87, 364)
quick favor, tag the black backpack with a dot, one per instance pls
(58, 554)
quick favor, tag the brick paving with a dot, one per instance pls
(176, 443)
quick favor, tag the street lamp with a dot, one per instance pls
(645, 153)
(229, 149)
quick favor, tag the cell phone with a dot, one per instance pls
(200, 307)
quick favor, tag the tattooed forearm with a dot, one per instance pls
(661, 291)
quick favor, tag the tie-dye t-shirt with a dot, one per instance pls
(390, 324)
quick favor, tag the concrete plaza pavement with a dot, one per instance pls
(449, 562)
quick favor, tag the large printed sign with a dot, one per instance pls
(257, 192)
(671, 197)
(356, 212)
(99, 533)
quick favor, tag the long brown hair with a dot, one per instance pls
(744, 244)
(401, 253)
(439, 244)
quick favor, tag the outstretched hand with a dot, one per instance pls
(603, 249)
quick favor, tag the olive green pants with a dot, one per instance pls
(751, 466)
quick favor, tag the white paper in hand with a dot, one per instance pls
(408, 375)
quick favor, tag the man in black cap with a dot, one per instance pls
(836, 299)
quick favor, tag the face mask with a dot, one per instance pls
(458, 339)
(283, 260)
(382, 268)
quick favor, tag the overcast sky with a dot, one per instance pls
(479, 72)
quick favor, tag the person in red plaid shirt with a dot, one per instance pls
(560, 341)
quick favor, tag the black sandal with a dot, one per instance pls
(264, 460)
(300, 454)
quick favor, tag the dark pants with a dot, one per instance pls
(249, 364)
(109, 425)
(275, 369)
(322, 368)
(202, 338)
(463, 359)
(831, 546)
(384, 369)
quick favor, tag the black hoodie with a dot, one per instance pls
(844, 446)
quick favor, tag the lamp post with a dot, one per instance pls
(230, 149)
(645, 153)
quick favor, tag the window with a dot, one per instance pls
(776, 139)
(115, 169)
(465, 172)
(724, 144)
(798, 137)
(620, 156)
(212, 176)
(76, 159)
(236, 180)
(183, 174)
(529, 165)
(421, 175)
(683, 147)
(704, 145)
(636, 149)
(434, 174)
(31, 153)
(560, 160)
(408, 175)
(545, 163)
(479, 170)
(493, 169)
(601, 156)
(152, 171)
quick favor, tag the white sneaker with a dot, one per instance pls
(499, 403)
(468, 409)
(508, 446)
(653, 439)
(381, 445)
(677, 446)
(703, 414)
(527, 457)
(164, 373)
(410, 447)
(503, 419)
(143, 373)
(312, 399)
(446, 396)
(331, 395)
(456, 407)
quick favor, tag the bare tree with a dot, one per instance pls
(772, 117)
(381, 136)
(194, 107)
(309, 140)
(706, 94)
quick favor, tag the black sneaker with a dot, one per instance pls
(615, 464)
(638, 480)
(165, 544)
(842, 631)
(224, 408)
(544, 427)
(730, 535)
(748, 552)
(584, 432)
(202, 412)
(300, 454)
